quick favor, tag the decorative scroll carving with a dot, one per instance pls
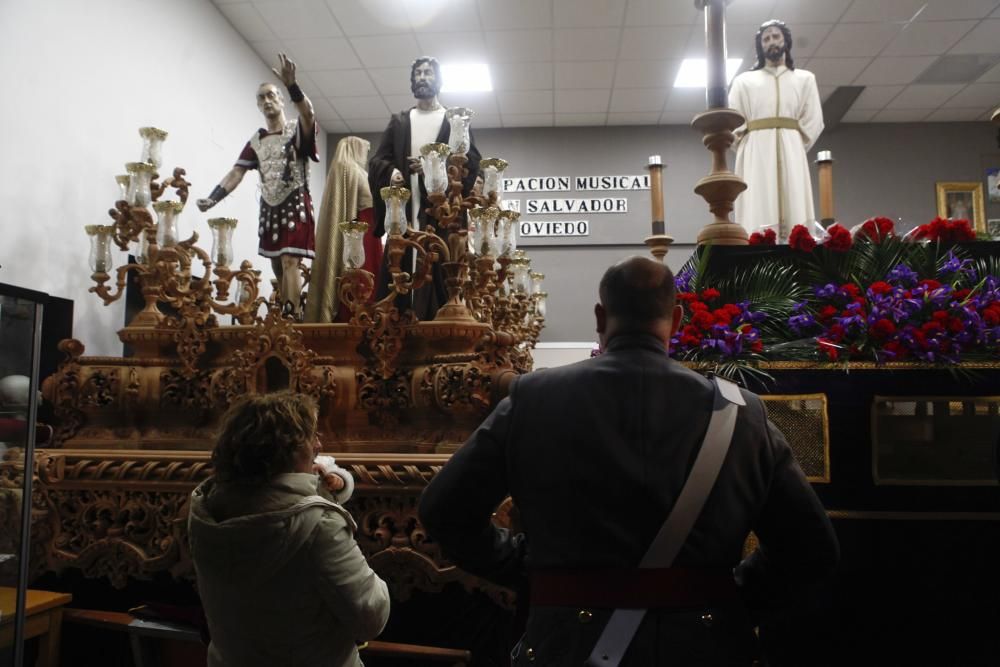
(193, 393)
(383, 398)
(457, 386)
(63, 391)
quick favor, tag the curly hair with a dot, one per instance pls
(785, 32)
(260, 434)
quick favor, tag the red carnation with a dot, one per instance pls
(685, 297)
(800, 239)
(955, 325)
(829, 349)
(929, 284)
(695, 306)
(709, 294)
(882, 329)
(877, 229)
(880, 287)
(826, 312)
(992, 316)
(722, 316)
(702, 319)
(961, 230)
(767, 237)
(897, 349)
(850, 289)
(840, 239)
(960, 294)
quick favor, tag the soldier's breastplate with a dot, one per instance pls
(272, 159)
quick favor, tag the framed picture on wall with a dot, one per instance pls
(993, 228)
(962, 201)
(993, 184)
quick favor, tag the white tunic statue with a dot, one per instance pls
(784, 119)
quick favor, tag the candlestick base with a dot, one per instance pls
(721, 187)
(658, 245)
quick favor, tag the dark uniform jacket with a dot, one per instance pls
(594, 455)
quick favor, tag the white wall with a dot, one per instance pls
(80, 78)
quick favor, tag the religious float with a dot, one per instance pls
(877, 356)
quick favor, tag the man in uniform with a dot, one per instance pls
(280, 152)
(784, 117)
(594, 456)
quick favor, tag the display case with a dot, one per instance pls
(20, 342)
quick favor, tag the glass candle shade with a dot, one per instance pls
(434, 160)
(492, 169)
(459, 118)
(100, 247)
(152, 145)
(395, 199)
(122, 181)
(540, 298)
(508, 232)
(354, 246)
(482, 222)
(139, 176)
(536, 282)
(140, 247)
(520, 266)
(167, 230)
(222, 240)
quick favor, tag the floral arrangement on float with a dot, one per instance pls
(852, 295)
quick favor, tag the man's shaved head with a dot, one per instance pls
(638, 294)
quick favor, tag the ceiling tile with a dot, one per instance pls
(443, 15)
(940, 10)
(597, 74)
(581, 119)
(298, 19)
(837, 71)
(344, 82)
(247, 21)
(481, 102)
(873, 98)
(992, 76)
(658, 43)
(883, 10)
(686, 99)
(582, 101)
(366, 106)
(391, 80)
(661, 12)
(510, 46)
(515, 14)
(901, 115)
(797, 11)
(364, 17)
(634, 118)
(978, 95)
(951, 114)
(366, 124)
(859, 116)
(807, 37)
(825, 92)
(677, 117)
(588, 13)
(527, 120)
(646, 73)
(889, 71)
(268, 50)
(749, 12)
(984, 38)
(526, 101)
(321, 108)
(739, 42)
(857, 39)
(521, 76)
(925, 96)
(451, 47)
(634, 100)
(387, 50)
(324, 53)
(334, 126)
(398, 103)
(586, 44)
(928, 38)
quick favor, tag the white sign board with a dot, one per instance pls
(612, 182)
(554, 228)
(601, 205)
(537, 184)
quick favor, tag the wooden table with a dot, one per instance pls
(43, 619)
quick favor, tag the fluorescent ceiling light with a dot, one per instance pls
(694, 72)
(465, 78)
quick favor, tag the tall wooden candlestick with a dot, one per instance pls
(659, 242)
(824, 162)
(715, 48)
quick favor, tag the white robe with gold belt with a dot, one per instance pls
(773, 161)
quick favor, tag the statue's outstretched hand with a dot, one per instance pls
(205, 203)
(287, 70)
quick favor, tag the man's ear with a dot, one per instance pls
(675, 319)
(601, 316)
